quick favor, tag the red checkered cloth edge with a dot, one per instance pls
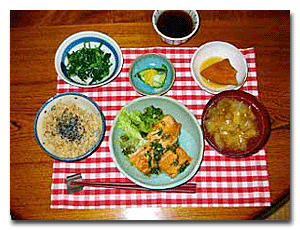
(221, 181)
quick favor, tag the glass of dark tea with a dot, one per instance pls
(175, 26)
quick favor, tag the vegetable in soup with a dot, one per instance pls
(232, 124)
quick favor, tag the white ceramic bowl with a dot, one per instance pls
(82, 102)
(176, 41)
(223, 50)
(76, 42)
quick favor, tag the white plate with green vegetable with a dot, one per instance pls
(152, 74)
(134, 115)
(88, 59)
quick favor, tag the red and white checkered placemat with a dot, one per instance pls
(221, 181)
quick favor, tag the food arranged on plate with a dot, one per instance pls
(150, 141)
(152, 74)
(220, 72)
(90, 64)
(88, 59)
(156, 142)
(147, 138)
(219, 66)
(154, 77)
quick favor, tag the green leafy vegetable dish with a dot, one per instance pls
(89, 64)
(154, 77)
(136, 126)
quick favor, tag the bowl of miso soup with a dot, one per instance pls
(236, 123)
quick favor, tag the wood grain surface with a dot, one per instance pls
(34, 38)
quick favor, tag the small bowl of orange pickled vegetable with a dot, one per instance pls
(236, 124)
(218, 66)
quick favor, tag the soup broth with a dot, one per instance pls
(232, 124)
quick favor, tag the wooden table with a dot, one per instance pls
(34, 38)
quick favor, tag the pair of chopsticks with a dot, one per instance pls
(186, 188)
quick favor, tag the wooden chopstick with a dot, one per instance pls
(186, 188)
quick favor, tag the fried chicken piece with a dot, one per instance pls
(171, 161)
(166, 131)
(140, 159)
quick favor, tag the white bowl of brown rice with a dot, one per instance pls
(69, 127)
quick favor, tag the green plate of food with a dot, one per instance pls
(156, 142)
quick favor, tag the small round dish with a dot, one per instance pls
(85, 104)
(191, 140)
(146, 61)
(177, 41)
(221, 50)
(262, 120)
(76, 42)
